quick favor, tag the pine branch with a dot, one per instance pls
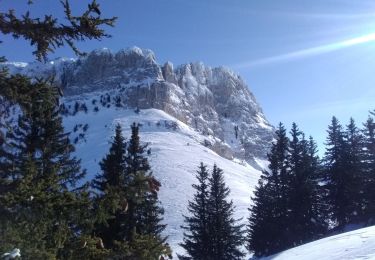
(48, 34)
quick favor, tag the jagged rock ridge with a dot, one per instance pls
(214, 101)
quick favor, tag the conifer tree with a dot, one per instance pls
(369, 168)
(355, 170)
(113, 165)
(267, 229)
(196, 237)
(306, 217)
(49, 33)
(287, 207)
(319, 204)
(263, 228)
(143, 227)
(42, 211)
(127, 209)
(225, 234)
(339, 179)
(145, 213)
(7, 169)
(111, 186)
(44, 208)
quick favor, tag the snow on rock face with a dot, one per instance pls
(103, 69)
(168, 73)
(358, 244)
(222, 101)
(214, 101)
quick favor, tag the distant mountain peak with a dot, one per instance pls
(214, 101)
(140, 51)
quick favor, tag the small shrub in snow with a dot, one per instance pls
(84, 107)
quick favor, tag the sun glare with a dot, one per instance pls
(310, 51)
(359, 40)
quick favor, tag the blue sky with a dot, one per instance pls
(298, 57)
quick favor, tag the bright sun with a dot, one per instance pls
(358, 40)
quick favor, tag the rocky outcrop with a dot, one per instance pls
(214, 101)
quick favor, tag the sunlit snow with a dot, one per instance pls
(175, 156)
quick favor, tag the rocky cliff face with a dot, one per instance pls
(214, 101)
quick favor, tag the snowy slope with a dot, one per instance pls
(189, 114)
(175, 155)
(358, 244)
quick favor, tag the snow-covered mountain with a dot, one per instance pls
(189, 114)
(358, 244)
(214, 101)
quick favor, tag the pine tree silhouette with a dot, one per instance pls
(267, 229)
(306, 221)
(225, 234)
(196, 237)
(369, 169)
(339, 177)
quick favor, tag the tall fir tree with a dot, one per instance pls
(354, 168)
(369, 168)
(306, 220)
(267, 229)
(109, 203)
(145, 212)
(113, 165)
(339, 178)
(127, 208)
(196, 237)
(263, 229)
(319, 205)
(44, 208)
(225, 234)
(37, 178)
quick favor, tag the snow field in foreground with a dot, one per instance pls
(358, 244)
